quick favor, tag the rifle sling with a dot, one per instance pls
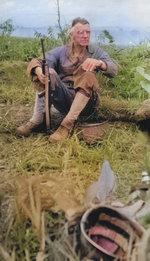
(47, 99)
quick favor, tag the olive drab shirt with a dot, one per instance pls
(68, 67)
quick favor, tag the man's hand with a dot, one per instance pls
(91, 64)
(40, 75)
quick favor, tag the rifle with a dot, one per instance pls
(45, 70)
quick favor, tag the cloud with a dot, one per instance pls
(121, 13)
(28, 13)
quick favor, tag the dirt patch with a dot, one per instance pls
(20, 113)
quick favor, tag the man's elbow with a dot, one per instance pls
(112, 69)
(115, 71)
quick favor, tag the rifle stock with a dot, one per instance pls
(45, 70)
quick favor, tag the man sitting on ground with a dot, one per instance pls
(74, 86)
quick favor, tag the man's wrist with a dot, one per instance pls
(36, 70)
(103, 65)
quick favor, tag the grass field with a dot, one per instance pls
(64, 169)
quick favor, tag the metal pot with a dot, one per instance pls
(94, 131)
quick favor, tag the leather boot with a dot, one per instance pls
(24, 130)
(67, 124)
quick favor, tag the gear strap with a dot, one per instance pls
(111, 234)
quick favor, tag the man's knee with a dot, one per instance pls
(88, 82)
(52, 72)
(90, 78)
(89, 74)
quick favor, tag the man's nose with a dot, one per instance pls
(85, 34)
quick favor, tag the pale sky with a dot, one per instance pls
(38, 13)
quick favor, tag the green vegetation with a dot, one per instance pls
(73, 163)
(23, 49)
(127, 82)
(7, 27)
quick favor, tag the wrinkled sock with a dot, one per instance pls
(39, 110)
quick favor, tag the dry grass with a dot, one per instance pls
(34, 156)
(73, 163)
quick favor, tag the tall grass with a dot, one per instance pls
(72, 162)
(125, 85)
(24, 49)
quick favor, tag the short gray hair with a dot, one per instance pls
(79, 20)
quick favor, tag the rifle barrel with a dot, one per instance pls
(42, 40)
(45, 70)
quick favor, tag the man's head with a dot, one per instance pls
(80, 31)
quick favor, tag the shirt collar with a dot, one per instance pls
(88, 48)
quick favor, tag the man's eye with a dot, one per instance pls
(82, 32)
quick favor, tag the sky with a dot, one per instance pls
(100, 13)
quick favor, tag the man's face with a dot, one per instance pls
(81, 34)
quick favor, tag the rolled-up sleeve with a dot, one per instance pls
(36, 62)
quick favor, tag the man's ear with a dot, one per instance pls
(72, 31)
